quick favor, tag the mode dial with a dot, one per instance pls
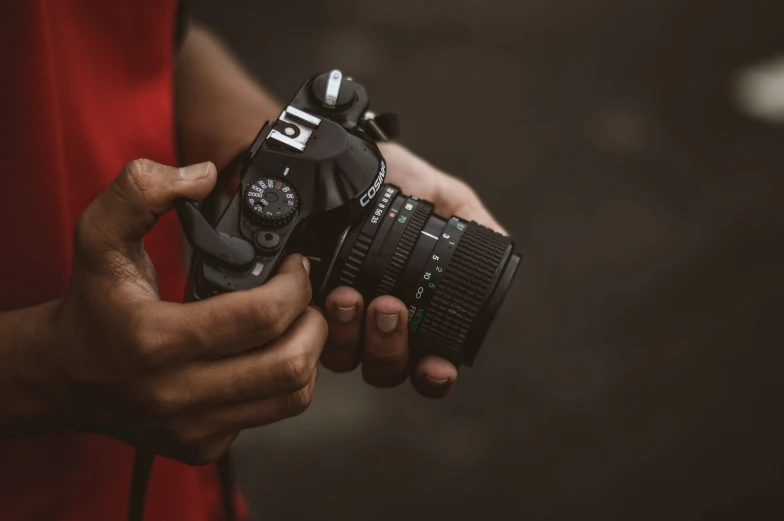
(270, 202)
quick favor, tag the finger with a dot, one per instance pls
(282, 367)
(450, 195)
(466, 204)
(411, 172)
(385, 356)
(264, 411)
(434, 377)
(481, 216)
(232, 323)
(144, 190)
(343, 310)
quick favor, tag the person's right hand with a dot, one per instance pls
(179, 379)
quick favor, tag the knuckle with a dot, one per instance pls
(164, 402)
(266, 317)
(300, 401)
(137, 176)
(298, 371)
(88, 234)
(276, 328)
(298, 294)
(299, 290)
(305, 398)
(318, 328)
(148, 349)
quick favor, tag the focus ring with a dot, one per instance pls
(466, 285)
(403, 249)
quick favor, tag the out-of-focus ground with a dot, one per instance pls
(634, 370)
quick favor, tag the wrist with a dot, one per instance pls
(29, 386)
(220, 108)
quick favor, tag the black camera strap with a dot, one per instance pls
(142, 467)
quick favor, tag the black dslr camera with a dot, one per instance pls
(313, 183)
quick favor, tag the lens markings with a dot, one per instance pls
(432, 273)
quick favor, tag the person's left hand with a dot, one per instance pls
(385, 354)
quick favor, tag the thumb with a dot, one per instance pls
(143, 191)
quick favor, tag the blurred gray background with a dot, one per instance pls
(633, 372)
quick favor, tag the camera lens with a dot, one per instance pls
(451, 274)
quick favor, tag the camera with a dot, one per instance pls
(313, 182)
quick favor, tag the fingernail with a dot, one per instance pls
(386, 323)
(196, 172)
(345, 314)
(306, 263)
(433, 382)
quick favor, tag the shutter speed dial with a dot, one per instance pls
(270, 202)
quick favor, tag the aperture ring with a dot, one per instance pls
(359, 250)
(397, 264)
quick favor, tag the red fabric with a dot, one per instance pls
(87, 87)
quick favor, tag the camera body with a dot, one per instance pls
(313, 183)
(306, 178)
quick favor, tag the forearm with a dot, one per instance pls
(26, 371)
(220, 107)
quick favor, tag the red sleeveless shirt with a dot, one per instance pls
(87, 86)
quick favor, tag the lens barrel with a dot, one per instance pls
(451, 274)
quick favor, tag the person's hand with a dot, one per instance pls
(385, 354)
(179, 379)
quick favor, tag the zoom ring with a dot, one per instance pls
(398, 262)
(353, 264)
(465, 288)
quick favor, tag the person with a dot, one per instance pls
(97, 353)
